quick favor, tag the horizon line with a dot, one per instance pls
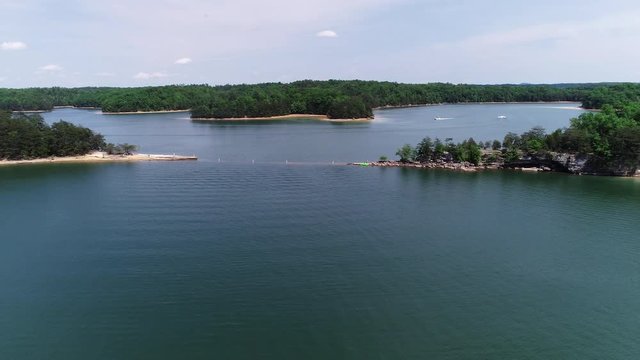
(328, 80)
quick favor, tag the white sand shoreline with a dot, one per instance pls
(389, 107)
(311, 116)
(100, 157)
(145, 112)
(103, 112)
(285, 117)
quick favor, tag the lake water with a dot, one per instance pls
(233, 260)
(316, 141)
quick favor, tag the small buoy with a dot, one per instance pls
(253, 161)
(286, 161)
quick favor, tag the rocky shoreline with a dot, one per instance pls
(563, 163)
(463, 166)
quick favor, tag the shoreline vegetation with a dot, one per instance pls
(596, 143)
(525, 166)
(390, 107)
(286, 117)
(139, 112)
(335, 99)
(27, 139)
(606, 142)
(297, 116)
(277, 117)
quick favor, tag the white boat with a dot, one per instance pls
(442, 118)
(502, 117)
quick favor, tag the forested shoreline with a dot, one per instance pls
(28, 137)
(599, 143)
(336, 99)
(610, 139)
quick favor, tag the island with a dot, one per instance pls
(27, 139)
(286, 117)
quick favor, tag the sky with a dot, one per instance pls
(74, 43)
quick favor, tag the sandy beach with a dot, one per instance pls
(287, 117)
(390, 107)
(145, 112)
(100, 157)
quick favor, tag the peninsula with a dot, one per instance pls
(100, 157)
(27, 139)
(595, 143)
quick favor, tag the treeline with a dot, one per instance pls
(611, 138)
(356, 99)
(334, 98)
(616, 95)
(108, 99)
(429, 150)
(29, 137)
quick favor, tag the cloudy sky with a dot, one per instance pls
(151, 42)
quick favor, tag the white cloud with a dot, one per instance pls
(614, 27)
(2, 79)
(51, 67)
(552, 52)
(13, 45)
(147, 76)
(269, 25)
(183, 61)
(101, 29)
(327, 34)
(105, 74)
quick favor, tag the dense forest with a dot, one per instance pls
(29, 137)
(616, 95)
(610, 138)
(334, 98)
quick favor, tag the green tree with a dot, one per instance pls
(599, 128)
(576, 141)
(625, 146)
(69, 140)
(424, 150)
(511, 154)
(553, 141)
(29, 137)
(533, 141)
(128, 149)
(406, 153)
(511, 141)
(469, 151)
(439, 149)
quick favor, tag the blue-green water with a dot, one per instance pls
(233, 260)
